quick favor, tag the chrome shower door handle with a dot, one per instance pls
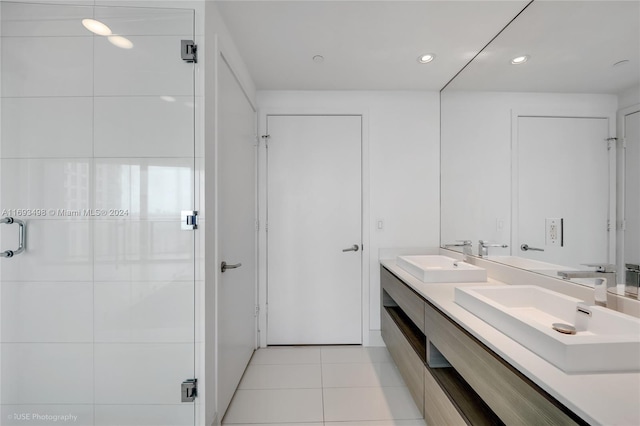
(224, 266)
(354, 247)
(21, 237)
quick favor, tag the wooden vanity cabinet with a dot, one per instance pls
(473, 385)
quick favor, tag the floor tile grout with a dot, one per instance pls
(323, 386)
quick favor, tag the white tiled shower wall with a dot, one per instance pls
(98, 320)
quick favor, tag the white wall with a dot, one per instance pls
(476, 155)
(629, 97)
(401, 173)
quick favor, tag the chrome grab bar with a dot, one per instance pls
(224, 266)
(21, 237)
(354, 247)
(525, 247)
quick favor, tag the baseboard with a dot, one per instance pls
(215, 422)
(373, 338)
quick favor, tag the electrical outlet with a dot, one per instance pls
(553, 232)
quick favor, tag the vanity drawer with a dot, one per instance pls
(438, 409)
(512, 396)
(409, 363)
(405, 298)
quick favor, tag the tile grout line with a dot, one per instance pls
(368, 362)
(321, 387)
(92, 202)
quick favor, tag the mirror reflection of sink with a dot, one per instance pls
(545, 268)
(524, 263)
(605, 340)
(441, 269)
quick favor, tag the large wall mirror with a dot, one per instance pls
(540, 148)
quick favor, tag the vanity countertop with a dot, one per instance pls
(603, 398)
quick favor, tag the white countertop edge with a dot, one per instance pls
(603, 398)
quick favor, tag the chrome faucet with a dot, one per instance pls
(465, 244)
(483, 247)
(602, 271)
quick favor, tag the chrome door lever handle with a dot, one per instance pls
(354, 247)
(21, 237)
(224, 266)
(525, 247)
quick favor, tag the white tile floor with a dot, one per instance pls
(322, 386)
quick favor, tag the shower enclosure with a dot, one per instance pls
(97, 160)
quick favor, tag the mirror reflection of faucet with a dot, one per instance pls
(483, 247)
(605, 281)
(465, 244)
(632, 280)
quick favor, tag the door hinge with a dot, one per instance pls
(608, 225)
(257, 310)
(189, 220)
(265, 138)
(622, 225)
(611, 143)
(257, 225)
(189, 390)
(189, 51)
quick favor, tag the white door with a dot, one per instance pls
(314, 214)
(236, 235)
(632, 189)
(563, 172)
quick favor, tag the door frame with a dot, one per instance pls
(621, 185)
(214, 269)
(263, 114)
(596, 113)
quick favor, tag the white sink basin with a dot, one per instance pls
(441, 269)
(605, 340)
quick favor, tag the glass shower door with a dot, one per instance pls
(97, 159)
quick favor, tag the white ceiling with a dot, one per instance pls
(573, 46)
(366, 45)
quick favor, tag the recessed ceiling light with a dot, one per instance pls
(318, 59)
(519, 60)
(426, 58)
(96, 27)
(168, 98)
(121, 42)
